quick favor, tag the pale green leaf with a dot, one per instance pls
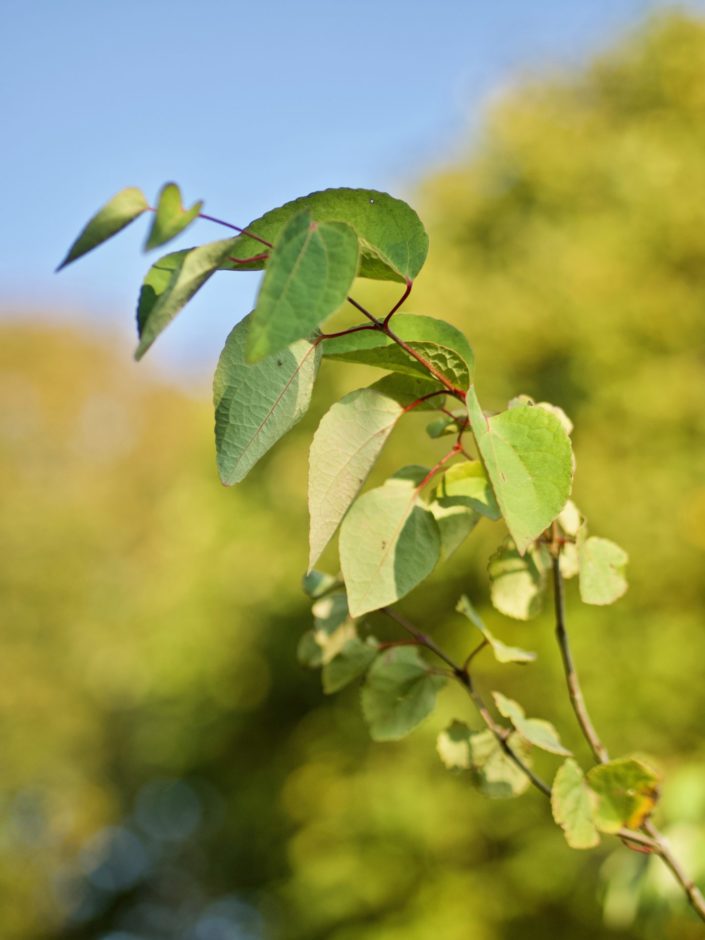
(332, 629)
(389, 543)
(170, 218)
(502, 652)
(316, 583)
(536, 731)
(115, 215)
(518, 583)
(494, 772)
(256, 404)
(466, 484)
(353, 660)
(399, 692)
(393, 241)
(453, 745)
(528, 458)
(441, 344)
(602, 565)
(627, 791)
(308, 276)
(169, 285)
(570, 519)
(455, 523)
(573, 806)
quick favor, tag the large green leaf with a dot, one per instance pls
(393, 241)
(255, 404)
(518, 582)
(528, 458)
(536, 731)
(400, 691)
(307, 278)
(573, 805)
(169, 285)
(502, 652)
(601, 565)
(627, 791)
(170, 218)
(118, 212)
(389, 542)
(438, 342)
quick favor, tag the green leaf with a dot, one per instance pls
(466, 484)
(353, 660)
(317, 583)
(343, 451)
(169, 285)
(494, 773)
(256, 404)
(573, 804)
(602, 564)
(438, 342)
(170, 218)
(453, 745)
(393, 241)
(400, 691)
(333, 628)
(308, 276)
(536, 731)
(528, 458)
(455, 523)
(442, 427)
(627, 791)
(389, 543)
(502, 652)
(115, 215)
(518, 583)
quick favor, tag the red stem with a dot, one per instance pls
(236, 228)
(397, 305)
(439, 466)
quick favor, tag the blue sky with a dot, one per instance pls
(245, 105)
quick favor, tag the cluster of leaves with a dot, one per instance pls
(394, 535)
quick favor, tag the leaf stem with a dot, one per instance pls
(453, 452)
(236, 228)
(397, 305)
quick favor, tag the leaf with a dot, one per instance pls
(388, 544)
(572, 803)
(345, 446)
(393, 241)
(169, 285)
(349, 664)
(455, 523)
(440, 427)
(494, 773)
(332, 629)
(627, 791)
(170, 218)
(317, 583)
(518, 584)
(502, 652)
(400, 691)
(453, 746)
(308, 276)
(438, 342)
(536, 731)
(602, 564)
(115, 215)
(466, 484)
(256, 404)
(528, 458)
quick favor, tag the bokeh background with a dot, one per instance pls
(167, 770)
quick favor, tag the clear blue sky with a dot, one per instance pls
(245, 104)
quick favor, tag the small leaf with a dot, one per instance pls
(169, 285)
(502, 652)
(453, 746)
(570, 519)
(443, 426)
(308, 276)
(333, 628)
(349, 664)
(316, 583)
(400, 691)
(389, 543)
(518, 584)
(438, 342)
(494, 773)
(115, 215)
(536, 731)
(528, 458)
(466, 484)
(455, 523)
(602, 564)
(627, 791)
(393, 241)
(255, 405)
(170, 218)
(572, 803)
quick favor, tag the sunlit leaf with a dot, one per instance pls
(308, 276)
(627, 790)
(573, 806)
(536, 731)
(602, 564)
(115, 215)
(256, 404)
(349, 664)
(466, 484)
(502, 652)
(333, 628)
(170, 217)
(455, 523)
(399, 692)
(518, 583)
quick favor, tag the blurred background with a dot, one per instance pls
(167, 770)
